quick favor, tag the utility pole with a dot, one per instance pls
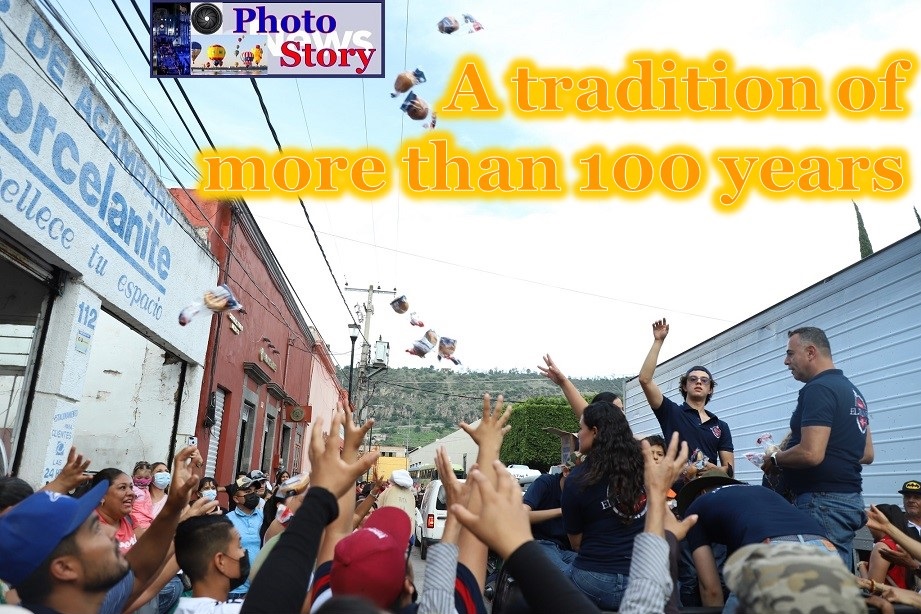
(363, 313)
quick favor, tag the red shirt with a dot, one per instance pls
(124, 533)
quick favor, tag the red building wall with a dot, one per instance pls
(260, 354)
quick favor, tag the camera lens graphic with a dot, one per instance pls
(207, 18)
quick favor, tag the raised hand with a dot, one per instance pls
(455, 491)
(551, 371)
(354, 435)
(877, 521)
(897, 556)
(187, 469)
(72, 475)
(328, 469)
(492, 428)
(502, 522)
(200, 507)
(660, 330)
(660, 476)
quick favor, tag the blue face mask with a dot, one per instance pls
(161, 479)
(209, 494)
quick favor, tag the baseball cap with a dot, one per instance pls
(32, 529)
(371, 562)
(699, 368)
(257, 476)
(243, 482)
(911, 487)
(791, 577)
(707, 479)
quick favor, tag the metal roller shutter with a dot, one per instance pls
(214, 442)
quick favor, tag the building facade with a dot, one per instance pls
(268, 374)
(96, 262)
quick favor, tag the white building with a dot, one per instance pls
(461, 448)
(96, 263)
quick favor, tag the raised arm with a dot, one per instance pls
(350, 446)
(650, 389)
(281, 584)
(488, 435)
(148, 555)
(553, 373)
(72, 475)
(877, 520)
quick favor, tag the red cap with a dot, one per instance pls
(371, 562)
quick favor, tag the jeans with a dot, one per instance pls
(840, 514)
(561, 559)
(169, 595)
(605, 590)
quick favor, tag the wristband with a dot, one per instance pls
(774, 458)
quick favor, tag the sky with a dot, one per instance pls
(580, 279)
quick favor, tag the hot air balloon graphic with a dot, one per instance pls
(216, 54)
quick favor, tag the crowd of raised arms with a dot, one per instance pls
(633, 525)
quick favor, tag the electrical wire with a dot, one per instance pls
(265, 113)
(205, 218)
(129, 172)
(506, 276)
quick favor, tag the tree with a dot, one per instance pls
(527, 443)
(865, 248)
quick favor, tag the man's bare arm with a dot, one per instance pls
(653, 393)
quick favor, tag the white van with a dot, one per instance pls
(430, 517)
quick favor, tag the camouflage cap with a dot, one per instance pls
(791, 577)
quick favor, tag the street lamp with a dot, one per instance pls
(353, 335)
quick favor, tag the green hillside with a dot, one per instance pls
(413, 407)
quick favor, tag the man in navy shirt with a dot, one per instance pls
(704, 432)
(724, 517)
(543, 501)
(830, 441)
(708, 438)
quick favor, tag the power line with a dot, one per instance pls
(104, 76)
(265, 113)
(504, 275)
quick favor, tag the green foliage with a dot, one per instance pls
(527, 443)
(416, 406)
(865, 248)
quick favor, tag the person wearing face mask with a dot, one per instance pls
(150, 500)
(140, 484)
(247, 518)
(210, 551)
(207, 489)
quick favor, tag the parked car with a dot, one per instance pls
(431, 516)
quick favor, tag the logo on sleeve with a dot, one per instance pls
(860, 411)
(717, 431)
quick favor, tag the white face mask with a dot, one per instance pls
(161, 479)
(209, 494)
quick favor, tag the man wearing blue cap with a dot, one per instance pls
(56, 553)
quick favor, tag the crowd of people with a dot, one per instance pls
(631, 525)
